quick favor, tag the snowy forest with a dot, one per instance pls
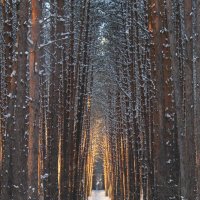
(100, 95)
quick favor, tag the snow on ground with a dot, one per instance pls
(98, 195)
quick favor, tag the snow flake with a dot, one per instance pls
(167, 115)
(44, 176)
(169, 161)
(9, 95)
(16, 186)
(62, 19)
(29, 98)
(30, 41)
(7, 115)
(170, 181)
(167, 143)
(13, 73)
(41, 72)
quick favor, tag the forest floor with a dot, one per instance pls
(98, 195)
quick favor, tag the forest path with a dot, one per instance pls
(98, 195)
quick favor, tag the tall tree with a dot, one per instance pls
(7, 185)
(34, 70)
(20, 128)
(197, 92)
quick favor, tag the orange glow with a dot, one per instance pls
(1, 149)
(59, 163)
(150, 27)
(89, 102)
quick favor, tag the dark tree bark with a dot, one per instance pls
(20, 127)
(197, 92)
(7, 185)
(34, 70)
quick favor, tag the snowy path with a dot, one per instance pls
(98, 195)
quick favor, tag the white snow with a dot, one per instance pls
(16, 186)
(98, 195)
(7, 115)
(169, 161)
(44, 176)
(13, 73)
(9, 95)
(30, 40)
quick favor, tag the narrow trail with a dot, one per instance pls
(98, 195)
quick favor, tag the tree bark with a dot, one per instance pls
(7, 184)
(34, 70)
(20, 136)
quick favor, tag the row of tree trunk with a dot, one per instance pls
(152, 115)
(45, 95)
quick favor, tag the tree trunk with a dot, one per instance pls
(188, 178)
(34, 70)
(197, 92)
(7, 184)
(20, 136)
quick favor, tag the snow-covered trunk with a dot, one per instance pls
(165, 138)
(183, 83)
(188, 176)
(55, 117)
(52, 122)
(20, 138)
(81, 103)
(136, 100)
(175, 38)
(132, 172)
(119, 133)
(1, 97)
(34, 70)
(154, 109)
(44, 85)
(7, 149)
(69, 108)
(196, 60)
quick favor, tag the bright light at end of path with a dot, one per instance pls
(98, 195)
